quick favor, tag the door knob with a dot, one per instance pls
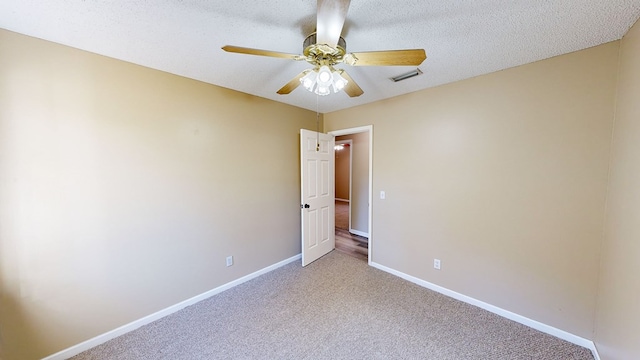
(306, 206)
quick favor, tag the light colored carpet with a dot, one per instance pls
(336, 308)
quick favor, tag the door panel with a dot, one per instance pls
(317, 195)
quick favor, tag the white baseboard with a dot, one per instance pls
(343, 200)
(358, 232)
(93, 342)
(580, 341)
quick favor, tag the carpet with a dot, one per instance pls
(335, 308)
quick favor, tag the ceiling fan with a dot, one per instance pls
(325, 48)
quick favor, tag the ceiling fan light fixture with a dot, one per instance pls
(338, 82)
(321, 81)
(322, 90)
(309, 80)
(324, 76)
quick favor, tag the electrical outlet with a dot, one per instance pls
(436, 264)
(229, 260)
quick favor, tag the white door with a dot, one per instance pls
(317, 165)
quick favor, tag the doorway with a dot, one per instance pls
(353, 166)
(343, 175)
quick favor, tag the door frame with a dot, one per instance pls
(356, 130)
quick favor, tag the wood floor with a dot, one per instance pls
(350, 244)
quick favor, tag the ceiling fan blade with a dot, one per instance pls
(250, 51)
(293, 84)
(386, 58)
(352, 89)
(330, 20)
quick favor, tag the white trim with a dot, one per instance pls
(358, 232)
(100, 339)
(350, 142)
(350, 131)
(356, 130)
(343, 200)
(580, 341)
(370, 191)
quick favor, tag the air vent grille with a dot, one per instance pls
(406, 76)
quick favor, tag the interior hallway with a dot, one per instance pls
(350, 244)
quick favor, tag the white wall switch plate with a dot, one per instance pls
(383, 195)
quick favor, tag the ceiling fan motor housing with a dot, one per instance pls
(322, 54)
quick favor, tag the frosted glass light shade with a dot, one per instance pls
(322, 80)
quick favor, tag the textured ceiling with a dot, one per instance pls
(462, 38)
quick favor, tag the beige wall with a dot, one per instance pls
(119, 195)
(502, 177)
(343, 164)
(360, 182)
(123, 189)
(618, 320)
